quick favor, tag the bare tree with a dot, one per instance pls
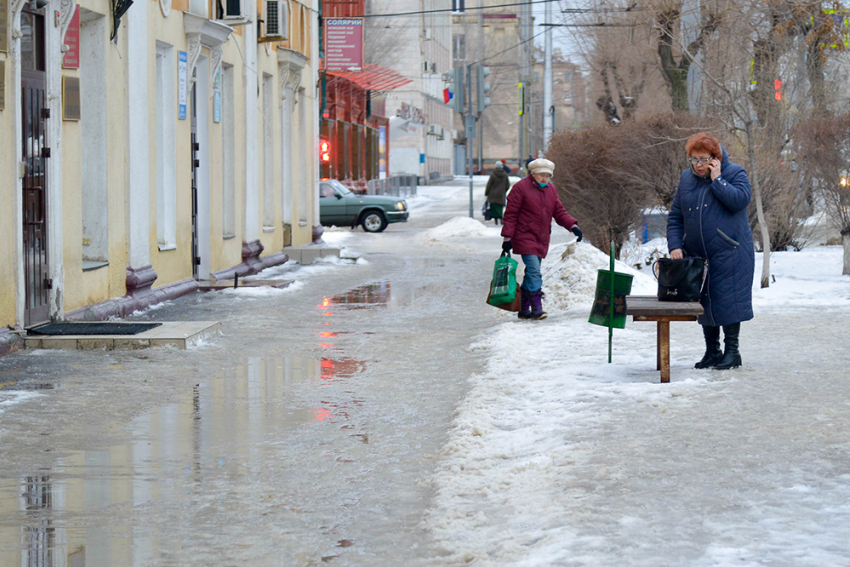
(618, 51)
(675, 69)
(593, 186)
(824, 146)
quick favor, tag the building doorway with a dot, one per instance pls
(35, 153)
(199, 98)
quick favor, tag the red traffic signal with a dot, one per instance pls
(325, 151)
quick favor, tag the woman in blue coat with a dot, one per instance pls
(708, 219)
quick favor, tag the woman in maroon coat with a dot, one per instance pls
(532, 204)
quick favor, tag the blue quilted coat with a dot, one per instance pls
(709, 219)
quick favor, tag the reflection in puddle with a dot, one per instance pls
(363, 297)
(335, 368)
(84, 510)
(383, 295)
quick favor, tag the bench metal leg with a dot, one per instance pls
(664, 350)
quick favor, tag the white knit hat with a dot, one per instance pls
(541, 165)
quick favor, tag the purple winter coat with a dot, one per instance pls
(528, 217)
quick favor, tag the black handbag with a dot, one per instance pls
(680, 280)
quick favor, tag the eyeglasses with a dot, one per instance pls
(702, 160)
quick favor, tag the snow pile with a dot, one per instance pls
(557, 458)
(809, 278)
(457, 227)
(261, 291)
(570, 281)
(515, 480)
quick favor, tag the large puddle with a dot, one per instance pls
(382, 295)
(217, 431)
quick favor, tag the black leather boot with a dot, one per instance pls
(731, 358)
(713, 354)
(525, 304)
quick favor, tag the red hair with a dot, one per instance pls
(704, 143)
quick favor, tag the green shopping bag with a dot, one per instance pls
(503, 285)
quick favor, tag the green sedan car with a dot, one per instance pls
(338, 206)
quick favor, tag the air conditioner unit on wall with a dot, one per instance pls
(441, 135)
(433, 130)
(276, 19)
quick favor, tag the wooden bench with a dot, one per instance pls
(648, 308)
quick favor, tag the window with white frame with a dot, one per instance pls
(93, 131)
(166, 169)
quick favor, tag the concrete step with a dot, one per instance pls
(180, 335)
(309, 253)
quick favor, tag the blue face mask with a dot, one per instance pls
(543, 184)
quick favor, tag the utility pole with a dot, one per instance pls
(470, 134)
(528, 24)
(480, 57)
(524, 72)
(548, 115)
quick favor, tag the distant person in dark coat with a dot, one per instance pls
(532, 204)
(505, 166)
(708, 219)
(496, 191)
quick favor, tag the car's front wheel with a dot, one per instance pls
(373, 221)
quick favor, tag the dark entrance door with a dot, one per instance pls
(196, 258)
(35, 153)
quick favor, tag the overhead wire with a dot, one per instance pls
(444, 10)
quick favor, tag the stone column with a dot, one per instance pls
(140, 274)
(291, 66)
(251, 246)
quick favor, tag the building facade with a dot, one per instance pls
(355, 129)
(148, 148)
(569, 97)
(417, 47)
(492, 37)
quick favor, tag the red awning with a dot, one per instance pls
(374, 78)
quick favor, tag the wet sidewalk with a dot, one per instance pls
(303, 435)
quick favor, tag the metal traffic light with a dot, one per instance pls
(325, 151)
(453, 94)
(483, 88)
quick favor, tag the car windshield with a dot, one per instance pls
(340, 187)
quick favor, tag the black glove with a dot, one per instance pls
(577, 231)
(507, 246)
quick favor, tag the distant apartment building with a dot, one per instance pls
(497, 47)
(418, 47)
(569, 97)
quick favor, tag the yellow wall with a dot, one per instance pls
(170, 265)
(87, 288)
(8, 188)
(91, 287)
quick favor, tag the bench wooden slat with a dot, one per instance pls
(649, 305)
(665, 317)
